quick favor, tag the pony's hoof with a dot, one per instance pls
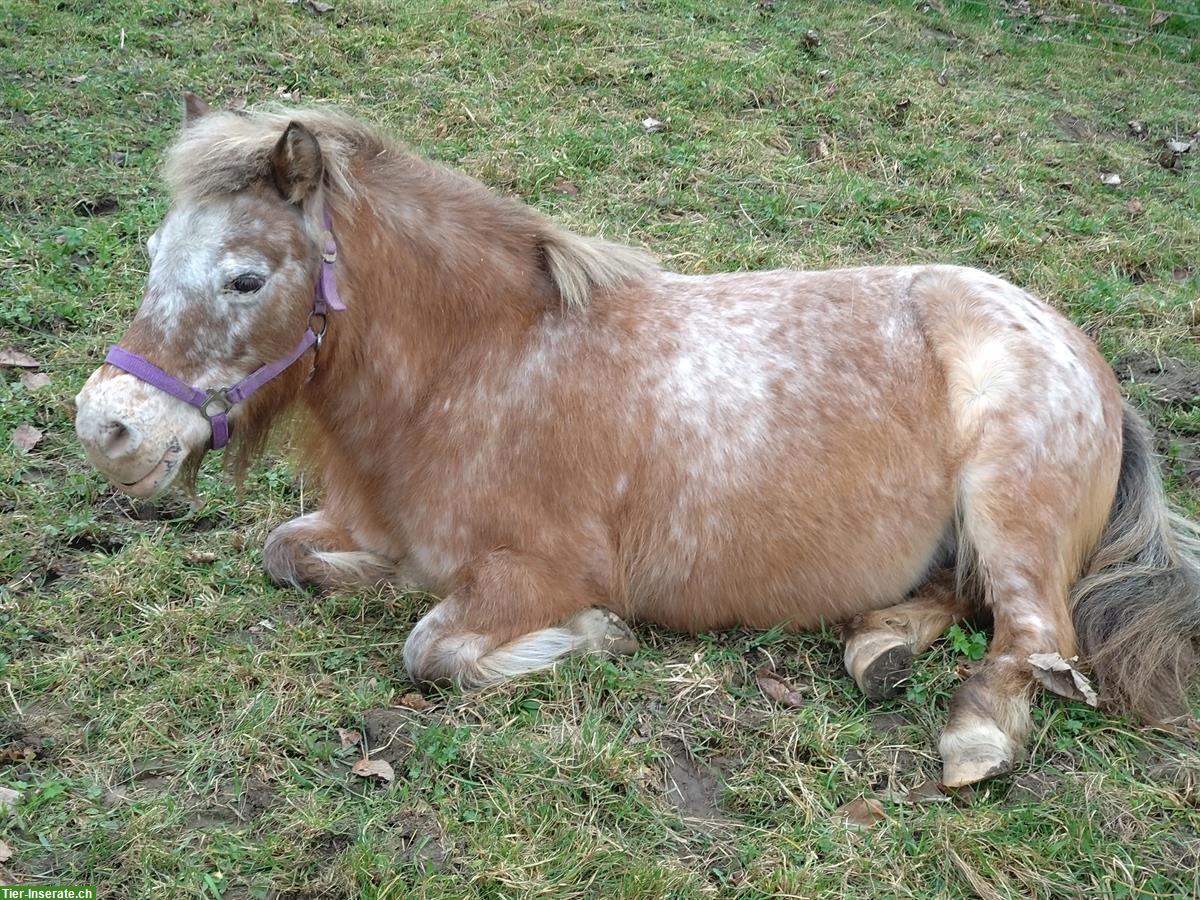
(602, 631)
(973, 753)
(878, 664)
(619, 639)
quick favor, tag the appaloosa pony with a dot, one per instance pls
(556, 435)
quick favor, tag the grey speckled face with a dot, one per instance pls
(223, 274)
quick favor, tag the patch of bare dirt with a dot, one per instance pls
(1172, 382)
(1075, 130)
(1179, 772)
(1036, 785)
(41, 733)
(415, 837)
(144, 777)
(309, 893)
(1188, 459)
(885, 723)
(96, 542)
(1180, 856)
(62, 867)
(19, 744)
(388, 733)
(232, 808)
(693, 786)
(163, 509)
(885, 767)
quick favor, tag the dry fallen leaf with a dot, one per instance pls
(374, 768)
(1160, 17)
(1110, 178)
(1135, 206)
(926, 792)
(1179, 146)
(563, 186)
(861, 813)
(5, 852)
(26, 437)
(349, 737)
(777, 688)
(965, 794)
(413, 701)
(810, 39)
(17, 359)
(34, 381)
(818, 150)
(318, 7)
(652, 124)
(1061, 677)
(8, 798)
(1169, 160)
(199, 557)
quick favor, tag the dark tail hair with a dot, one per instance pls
(1137, 606)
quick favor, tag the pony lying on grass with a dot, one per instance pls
(557, 436)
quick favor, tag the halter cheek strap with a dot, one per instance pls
(215, 403)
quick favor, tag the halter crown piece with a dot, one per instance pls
(215, 403)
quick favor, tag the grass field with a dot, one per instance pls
(171, 721)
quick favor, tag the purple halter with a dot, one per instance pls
(215, 403)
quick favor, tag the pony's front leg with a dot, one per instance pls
(511, 614)
(313, 551)
(881, 645)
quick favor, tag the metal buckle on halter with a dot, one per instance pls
(319, 333)
(329, 249)
(219, 396)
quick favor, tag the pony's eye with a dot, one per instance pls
(245, 284)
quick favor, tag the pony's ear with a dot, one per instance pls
(296, 163)
(193, 108)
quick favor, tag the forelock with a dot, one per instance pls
(225, 152)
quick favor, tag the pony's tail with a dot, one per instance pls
(1137, 607)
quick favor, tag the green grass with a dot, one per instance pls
(173, 721)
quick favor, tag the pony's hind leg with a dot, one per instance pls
(1037, 431)
(1027, 528)
(313, 551)
(881, 645)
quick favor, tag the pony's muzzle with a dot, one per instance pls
(134, 435)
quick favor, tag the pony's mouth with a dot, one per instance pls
(159, 476)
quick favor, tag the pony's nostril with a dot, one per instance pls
(118, 440)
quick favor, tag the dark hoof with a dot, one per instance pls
(886, 673)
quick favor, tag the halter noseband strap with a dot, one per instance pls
(215, 403)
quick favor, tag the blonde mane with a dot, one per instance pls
(223, 152)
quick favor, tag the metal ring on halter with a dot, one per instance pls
(219, 396)
(319, 332)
